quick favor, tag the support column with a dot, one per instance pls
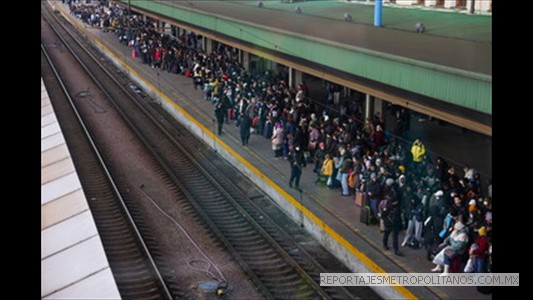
(378, 6)
(378, 106)
(346, 92)
(207, 45)
(273, 66)
(245, 60)
(368, 106)
(471, 6)
(295, 77)
(298, 77)
(484, 6)
(291, 76)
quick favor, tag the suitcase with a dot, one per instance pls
(364, 217)
(268, 130)
(359, 198)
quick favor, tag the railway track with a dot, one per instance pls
(135, 273)
(276, 263)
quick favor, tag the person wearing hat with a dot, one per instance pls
(437, 211)
(480, 253)
(455, 245)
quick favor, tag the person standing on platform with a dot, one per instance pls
(344, 170)
(277, 141)
(373, 193)
(246, 124)
(392, 222)
(327, 171)
(414, 227)
(297, 161)
(220, 113)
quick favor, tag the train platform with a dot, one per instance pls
(73, 262)
(326, 214)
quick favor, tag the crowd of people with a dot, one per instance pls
(442, 210)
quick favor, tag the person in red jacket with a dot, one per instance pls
(480, 253)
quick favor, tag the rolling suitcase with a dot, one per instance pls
(364, 217)
(359, 198)
(268, 130)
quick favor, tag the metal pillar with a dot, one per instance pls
(295, 77)
(208, 45)
(378, 6)
(368, 107)
(245, 60)
(291, 76)
(346, 92)
(471, 6)
(378, 106)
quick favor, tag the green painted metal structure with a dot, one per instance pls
(464, 88)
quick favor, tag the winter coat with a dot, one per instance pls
(483, 246)
(327, 167)
(458, 240)
(418, 152)
(277, 138)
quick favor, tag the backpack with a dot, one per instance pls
(352, 180)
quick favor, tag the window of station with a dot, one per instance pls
(460, 4)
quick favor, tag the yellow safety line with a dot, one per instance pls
(341, 240)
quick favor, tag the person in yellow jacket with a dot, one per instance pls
(327, 170)
(419, 151)
(419, 154)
